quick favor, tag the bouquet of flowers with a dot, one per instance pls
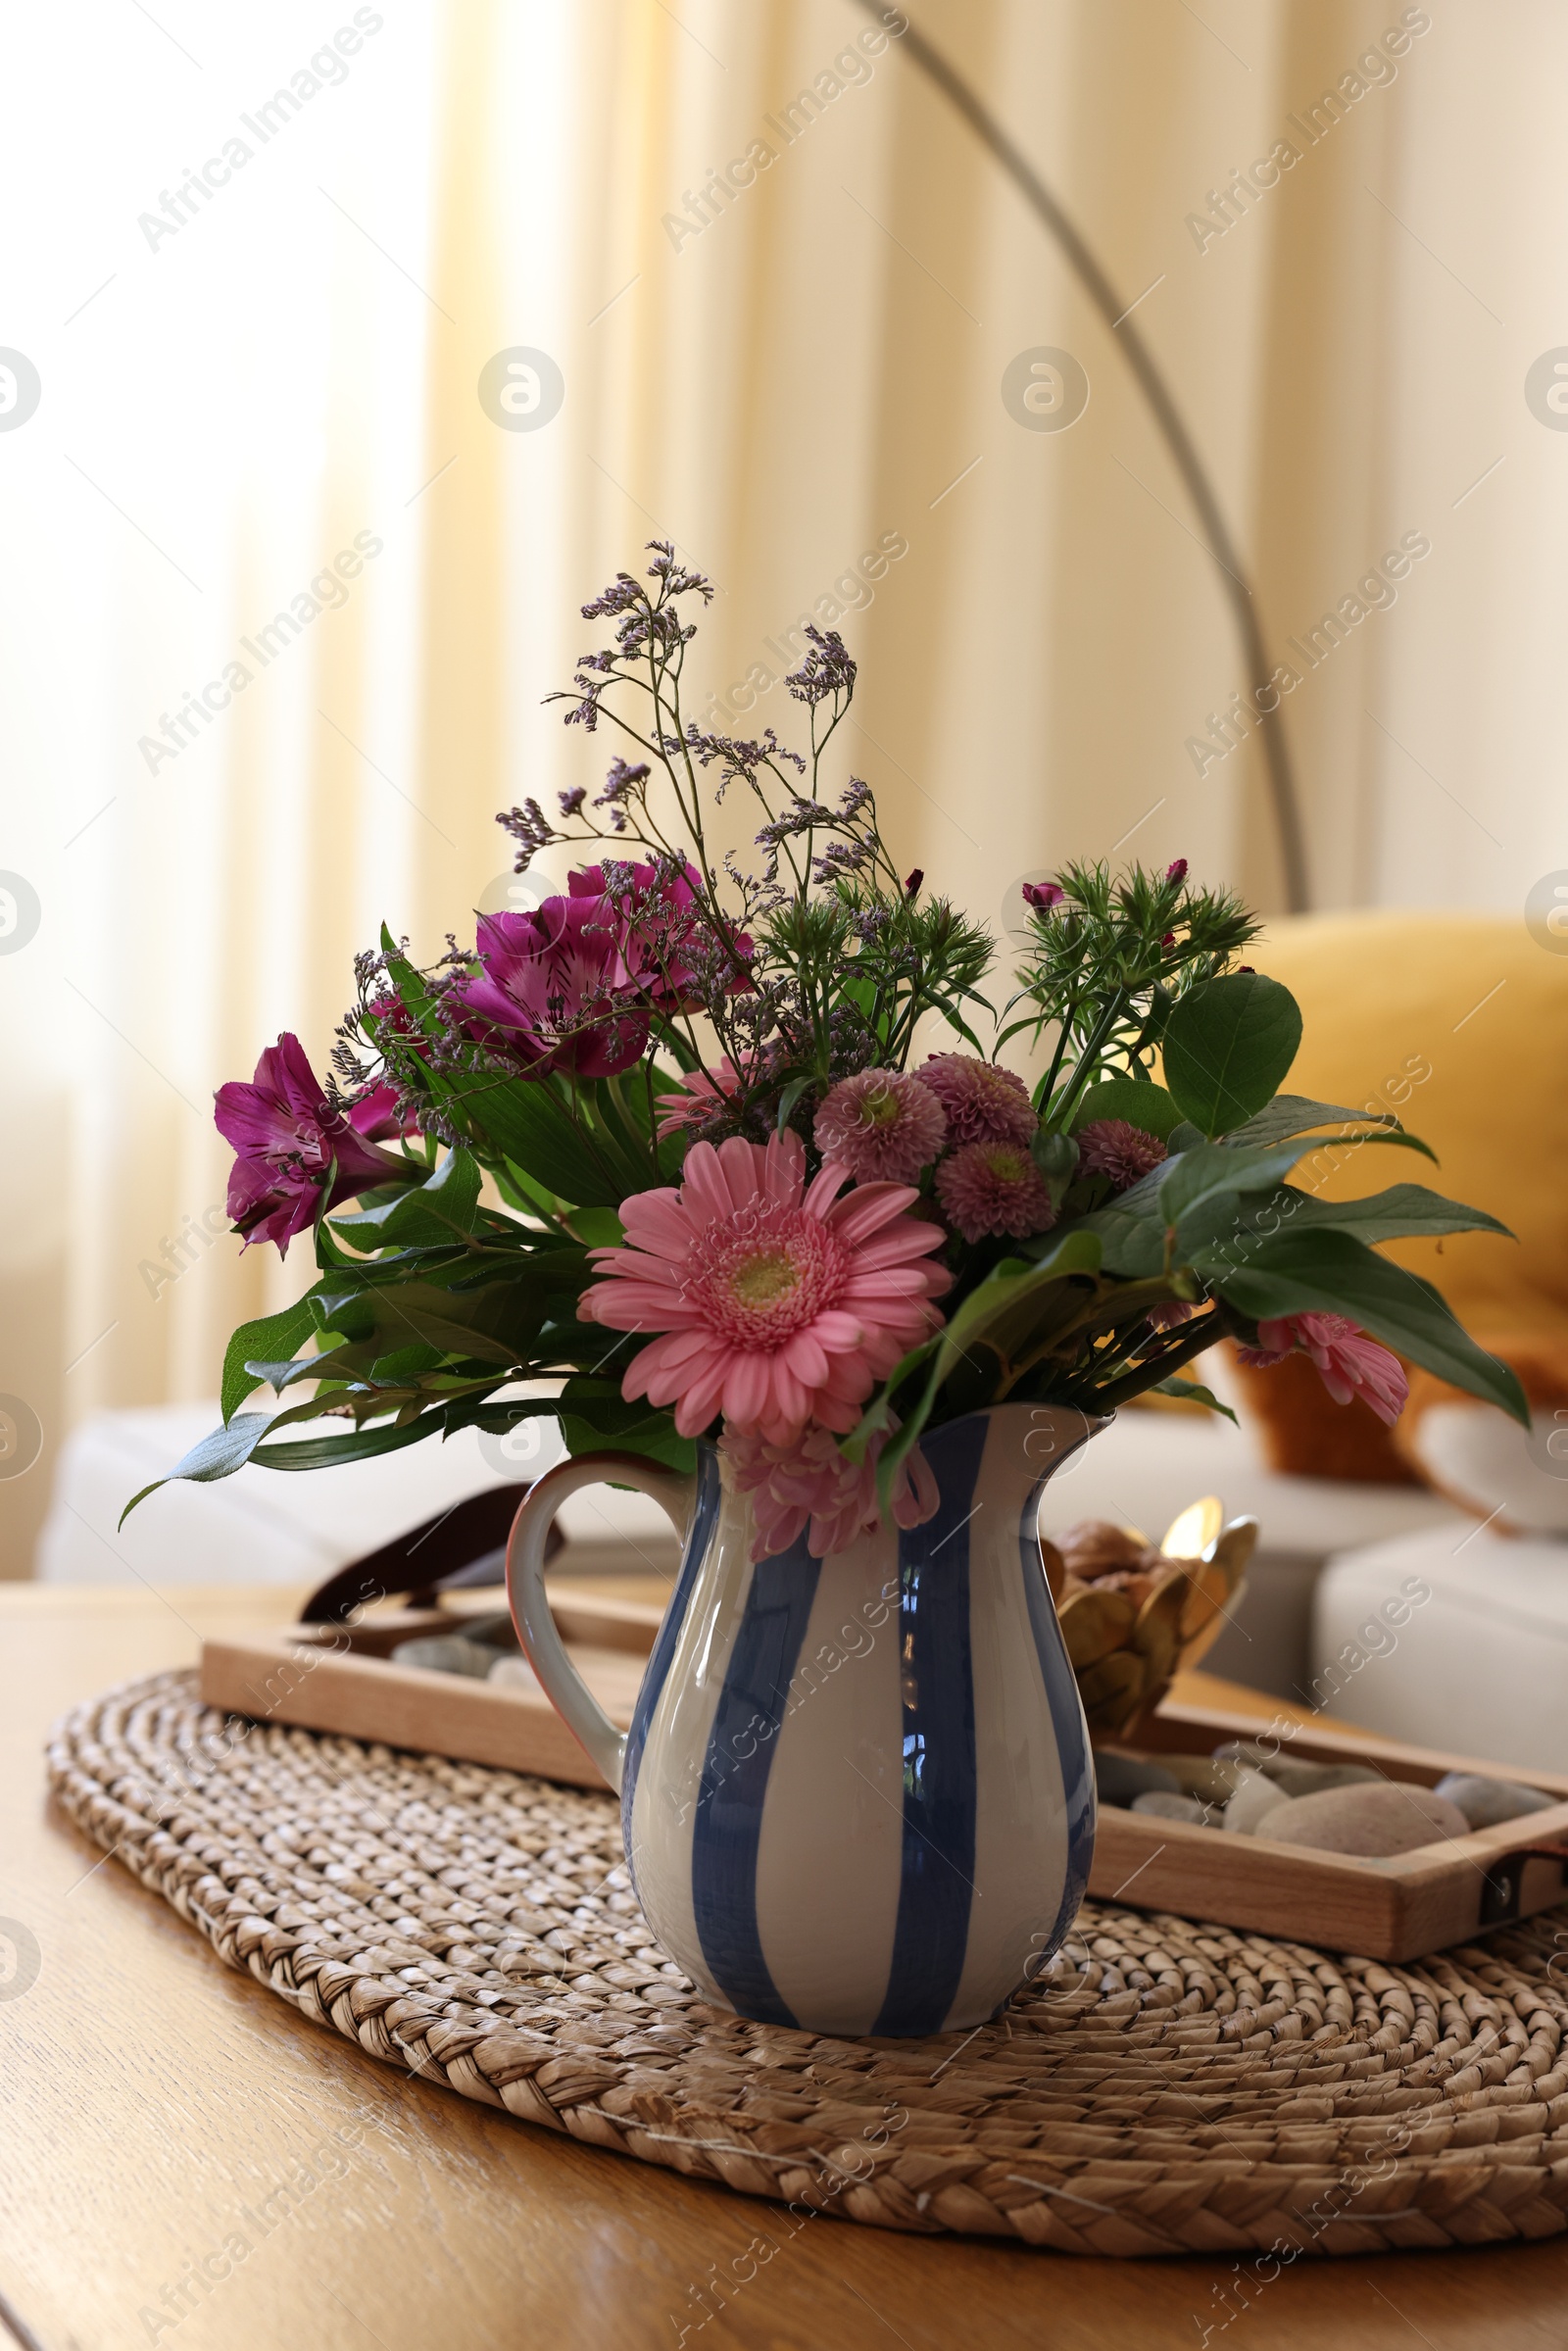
(698, 1150)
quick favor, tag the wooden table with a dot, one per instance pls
(153, 2102)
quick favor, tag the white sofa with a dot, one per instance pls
(265, 1526)
(1480, 1667)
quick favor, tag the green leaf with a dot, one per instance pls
(596, 1418)
(1227, 1044)
(1007, 1316)
(224, 1449)
(879, 1417)
(279, 1376)
(1332, 1273)
(1403, 1212)
(1132, 1245)
(417, 999)
(443, 1210)
(273, 1337)
(495, 1323)
(597, 1228)
(525, 1120)
(1198, 1180)
(1194, 1392)
(358, 1444)
(483, 1411)
(1296, 1113)
(789, 1097)
(1142, 1104)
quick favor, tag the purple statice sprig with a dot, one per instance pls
(530, 828)
(827, 671)
(742, 761)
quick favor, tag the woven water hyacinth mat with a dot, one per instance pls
(1167, 2088)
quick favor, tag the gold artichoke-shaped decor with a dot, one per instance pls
(1133, 1612)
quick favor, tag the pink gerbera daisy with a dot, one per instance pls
(1115, 1148)
(809, 1488)
(994, 1187)
(881, 1124)
(780, 1303)
(1349, 1362)
(984, 1102)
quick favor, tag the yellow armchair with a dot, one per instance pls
(1458, 1023)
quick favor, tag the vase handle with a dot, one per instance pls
(542, 1644)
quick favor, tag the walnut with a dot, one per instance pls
(1096, 1547)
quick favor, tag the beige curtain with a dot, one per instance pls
(797, 375)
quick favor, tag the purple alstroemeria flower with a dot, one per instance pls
(545, 989)
(571, 984)
(665, 946)
(287, 1136)
(647, 917)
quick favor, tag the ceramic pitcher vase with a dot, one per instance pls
(857, 1793)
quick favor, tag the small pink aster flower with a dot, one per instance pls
(1176, 872)
(882, 1125)
(994, 1187)
(1043, 895)
(1115, 1148)
(984, 1102)
(811, 1486)
(1349, 1362)
(779, 1302)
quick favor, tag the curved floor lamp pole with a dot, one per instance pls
(1109, 302)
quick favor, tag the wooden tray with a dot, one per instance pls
(326, 1679)
(343, 1681)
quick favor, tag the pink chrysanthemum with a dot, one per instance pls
(1349, 1362)
(882, 1125)
(984, 1102)
(779, 1302)
(994, 1187)
(809, 1488)
(1115, 1148)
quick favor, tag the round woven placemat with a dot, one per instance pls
(1167, 2088)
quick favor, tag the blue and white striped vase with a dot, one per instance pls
(857, 1793)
